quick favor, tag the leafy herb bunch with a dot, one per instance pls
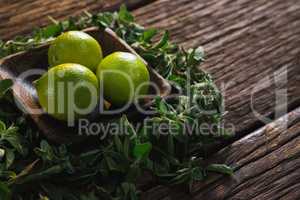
(113, 169)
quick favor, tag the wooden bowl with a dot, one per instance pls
(14, 66)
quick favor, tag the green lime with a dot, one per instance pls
(124, 76)
(75, 47)
(68, 91)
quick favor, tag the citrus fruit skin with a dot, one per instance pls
(75, 47)
(121, 74)
(64, 88)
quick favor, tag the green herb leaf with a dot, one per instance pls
(45, 151)
(124, 15)
(2, 126)
(163, 41)
(224, 169)
(51, 31)
(199, 54)
(161, 106)
(5, 85)
(5, 193)
(197, 174)
(142, 150)
(149, 34)
(12, 136)
(104, 19)
(10, 157)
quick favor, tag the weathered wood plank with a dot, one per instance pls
(253, 46)
(266, 163)
(20, 17)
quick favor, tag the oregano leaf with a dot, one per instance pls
(5, 85)
(220, 168)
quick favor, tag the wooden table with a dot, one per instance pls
(253, 52)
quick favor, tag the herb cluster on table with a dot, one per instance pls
(32, 168)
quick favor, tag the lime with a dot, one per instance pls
(68, 91)
(123, 76)
(75, 47)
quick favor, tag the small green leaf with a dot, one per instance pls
(161, 105)
(45, 151)
(10, 157)
(2, 126)
(163, 41)
(142, 150)
(126, 147)
(199, 54)
(12, 136)
(179, 179)
(220, 168)
(197, 174)
(51, 30)
(149, 57)
(105, 19)
(149, 34)
(124, 15)
(2, 154)
(111, 164)
(118, 143)
(128, 191)
(129, 130)
(5, 193)
(5, 85)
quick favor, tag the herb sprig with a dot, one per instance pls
(112, 170)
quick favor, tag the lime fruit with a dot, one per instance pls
(123, 76)
(75, 47)
(68, 91)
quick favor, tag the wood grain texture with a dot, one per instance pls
(21, 17)
(252, 46)
(266, 164)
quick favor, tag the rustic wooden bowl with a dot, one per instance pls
(14, 66)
